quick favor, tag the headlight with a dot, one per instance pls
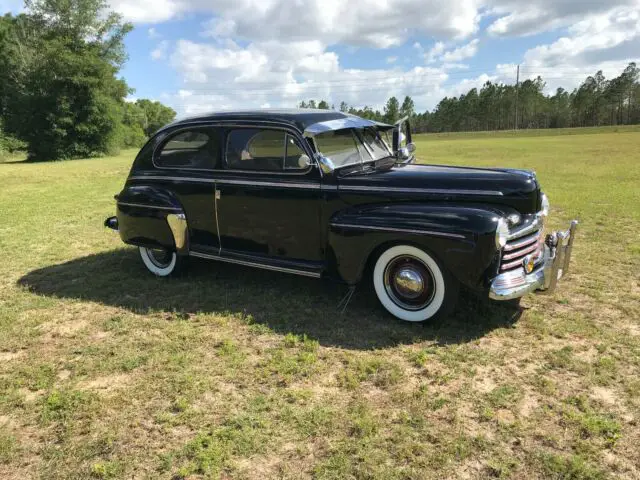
(502, 233)
(545, 206)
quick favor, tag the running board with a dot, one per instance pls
(265, 266)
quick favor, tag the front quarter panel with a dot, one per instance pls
(460, 237)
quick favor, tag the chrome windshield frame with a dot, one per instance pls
(352, 123)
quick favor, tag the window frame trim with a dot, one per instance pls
(169, 136)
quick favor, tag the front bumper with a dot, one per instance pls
(557, 256)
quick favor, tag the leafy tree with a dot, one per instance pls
(344, 107)
(155, 115)
(65, 99)
(391, 110)
(323, 105)
(408, 107)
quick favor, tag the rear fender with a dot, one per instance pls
(461, 238)
(152, 217)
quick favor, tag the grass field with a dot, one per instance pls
(107, 372)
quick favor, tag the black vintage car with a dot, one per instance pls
(326, 194)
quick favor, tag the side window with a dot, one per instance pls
(263, 150)
(197, 148)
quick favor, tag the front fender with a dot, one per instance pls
(152, 217)
(462, 238)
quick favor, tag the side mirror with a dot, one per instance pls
(411, 147)
(326, 165)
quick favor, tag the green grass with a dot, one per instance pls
(108, 372)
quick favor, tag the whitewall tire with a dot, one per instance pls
(412, 285)
(160, 262)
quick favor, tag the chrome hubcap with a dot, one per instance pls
(409, 282)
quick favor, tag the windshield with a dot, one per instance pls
(351, 146)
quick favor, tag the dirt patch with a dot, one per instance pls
(484, 384)
(107, 383)
(64, 329)
(528, 405)
(63, 375)
(10, 356)
(604, 395)
(29, 395)
(505, 416)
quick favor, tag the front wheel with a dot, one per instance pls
(412, 285)
(162, 262)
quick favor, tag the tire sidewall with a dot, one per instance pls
(153, 268)
(438, 300)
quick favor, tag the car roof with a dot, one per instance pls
(299, 118)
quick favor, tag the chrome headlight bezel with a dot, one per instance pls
(545, 206)
(502, 233)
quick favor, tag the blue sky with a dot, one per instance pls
(198, 55)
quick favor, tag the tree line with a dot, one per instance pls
(60, 94)
(596, 102)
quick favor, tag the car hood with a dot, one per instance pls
(517, 189)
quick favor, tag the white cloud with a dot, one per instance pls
(604, 41)
(370, 22)
(516, 17)
(153, 33)
(160, 52)
(239, 63)
(434, 52)
(461, 53)
(217, 77)
(438, 52)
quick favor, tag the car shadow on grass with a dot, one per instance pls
(284, 303)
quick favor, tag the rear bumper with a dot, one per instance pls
(557, 257)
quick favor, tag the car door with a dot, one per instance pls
(187, 158)
(268, 197)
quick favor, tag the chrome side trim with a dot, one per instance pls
(258, 183)
(141, 205)
(165, 177)
(398, 230)
(257, 265)
(440, 191)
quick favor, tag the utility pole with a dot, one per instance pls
(517, 88)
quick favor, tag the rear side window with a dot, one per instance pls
(264, 150)
(197, 148)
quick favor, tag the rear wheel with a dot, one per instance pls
(412, 285)
(162, 262)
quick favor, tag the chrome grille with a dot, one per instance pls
(521, 243)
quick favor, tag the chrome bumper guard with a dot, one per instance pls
(555, 265)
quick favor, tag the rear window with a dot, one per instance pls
(195, 148)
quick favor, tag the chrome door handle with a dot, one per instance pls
(217, 194)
